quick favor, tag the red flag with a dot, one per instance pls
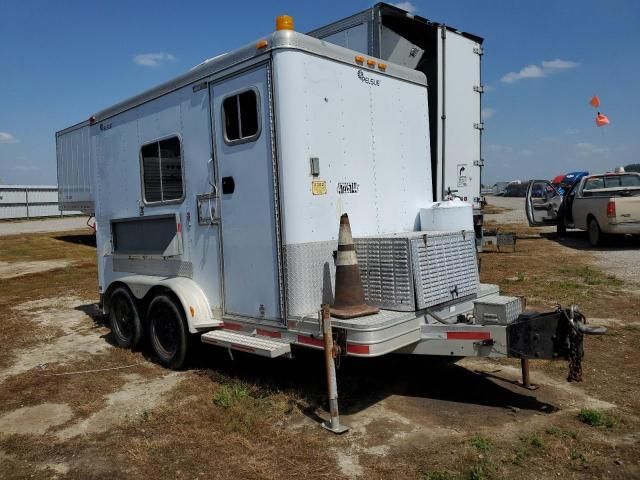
(601, 120)
(595, 101)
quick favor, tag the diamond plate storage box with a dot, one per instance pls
(499, 310)
(417, 270)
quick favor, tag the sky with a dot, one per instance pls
(544, 60)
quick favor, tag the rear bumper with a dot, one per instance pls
(627, 228)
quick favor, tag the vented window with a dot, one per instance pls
(241, 116)
(162, 171)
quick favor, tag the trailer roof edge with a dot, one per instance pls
(284, 39)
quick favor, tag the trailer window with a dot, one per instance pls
(241, 118)
(162, 171)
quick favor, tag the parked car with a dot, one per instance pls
(606, 204)
(515, 190)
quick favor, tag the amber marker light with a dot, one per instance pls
(284, 22)
(382, 66)
(359, 59)
(261, 44)
(371, 63)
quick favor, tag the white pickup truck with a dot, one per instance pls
(602, 204)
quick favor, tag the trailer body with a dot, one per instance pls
(217, 198)
(451, 61)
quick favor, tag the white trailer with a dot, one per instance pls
(217, 198)
(451, 61)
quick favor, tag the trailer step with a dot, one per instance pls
(265, 347)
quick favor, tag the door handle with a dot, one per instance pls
(228, 185)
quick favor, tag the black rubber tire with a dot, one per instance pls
(168, 332)
(124, 320)
(595, 234)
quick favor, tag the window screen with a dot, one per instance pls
(162, 170)
(240, 115)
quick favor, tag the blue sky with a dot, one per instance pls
(62, 61)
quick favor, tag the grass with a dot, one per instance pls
(480, 443)
(595, 418)
(561, 433)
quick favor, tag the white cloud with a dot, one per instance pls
(408, 6)
(7, 138)
(153, 59)
(26, 168)
(548, 67)
(488, 113)
(587, 149)
(495, 148)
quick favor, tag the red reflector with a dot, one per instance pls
(359, 349)
(468, 335)
(316, 342)
(179, 228)
(232, 326)
(611, 208)
(268, 333)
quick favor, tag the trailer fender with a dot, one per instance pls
(193, 300)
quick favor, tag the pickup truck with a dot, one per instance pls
(605, 204)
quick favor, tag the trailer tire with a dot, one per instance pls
(124, 320)
(168, 331)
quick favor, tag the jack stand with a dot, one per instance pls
(526, 382)
(333, 425)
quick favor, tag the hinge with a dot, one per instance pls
(478, 50)
(478, 163)
(479, 126)
(478, 88)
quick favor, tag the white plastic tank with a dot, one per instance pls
(447, 215)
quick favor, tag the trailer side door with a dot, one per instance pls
(243, 149)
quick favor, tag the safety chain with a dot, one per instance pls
(576, 347)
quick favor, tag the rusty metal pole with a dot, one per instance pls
(333, 424)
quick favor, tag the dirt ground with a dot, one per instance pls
(74, 406)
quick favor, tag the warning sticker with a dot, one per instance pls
(348, 188)
(463, 179)
(318, 187)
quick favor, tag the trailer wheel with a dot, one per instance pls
(124, 320)
(168, 331)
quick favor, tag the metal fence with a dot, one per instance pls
(29, 201)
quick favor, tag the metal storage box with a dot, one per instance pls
(499, 310)
(417, 270)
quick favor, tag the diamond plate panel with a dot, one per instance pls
(311, 273)
(445, 267)
(153, 266)
(385, 272)
(417, 270)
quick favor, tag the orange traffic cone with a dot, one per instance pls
(349, 299)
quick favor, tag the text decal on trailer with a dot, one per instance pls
(365, 79)
(348, 187)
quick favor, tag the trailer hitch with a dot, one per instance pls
(552, 335)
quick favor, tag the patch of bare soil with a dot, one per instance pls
(17, 269)
(73, 406)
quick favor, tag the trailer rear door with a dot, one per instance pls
(243, 149)
(459, 112)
